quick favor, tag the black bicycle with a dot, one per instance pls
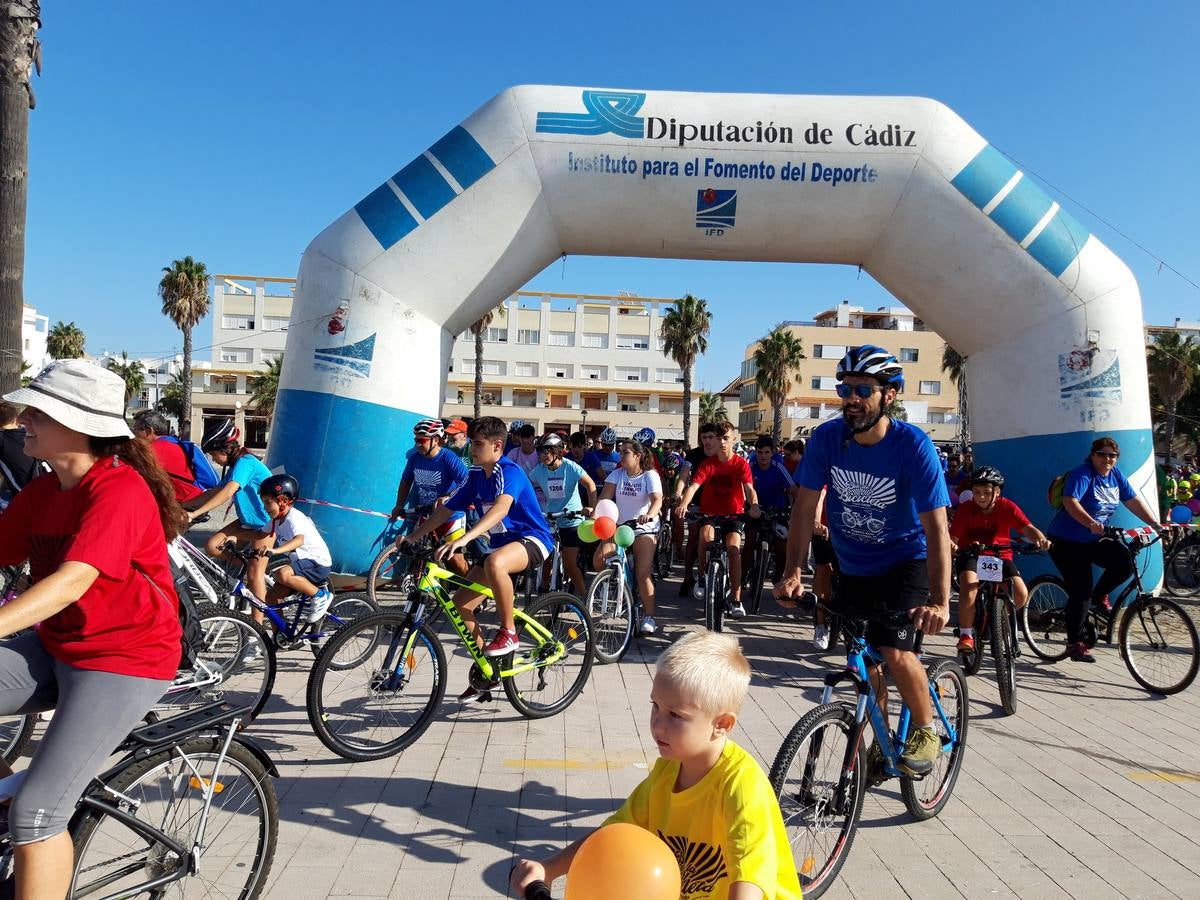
(760, 555)
(716, 567)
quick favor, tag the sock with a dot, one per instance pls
(966, 632)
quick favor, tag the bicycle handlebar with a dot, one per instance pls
(1019, 549)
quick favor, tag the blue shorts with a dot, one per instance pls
(309, 568)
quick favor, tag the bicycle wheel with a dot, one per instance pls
(1181, 574)
(166, 790)
(552, 673)
(1002, 652)
(664, 553)
(972, 660)
(1159, 645)
(819, 814)
(1044, 618)
(714, 596)
(376, 686)
(389, 579)
(612, 618)
(15, 734)
(925, 798)
(235, 662)
(758, 580)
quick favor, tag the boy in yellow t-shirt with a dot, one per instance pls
(706, 797)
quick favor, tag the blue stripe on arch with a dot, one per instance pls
(981, 179)
(385, 216)
(424, 186)
(1059, 243)
(1022, 209)
(462, 156)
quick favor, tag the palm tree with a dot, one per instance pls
(171, 399)
(184, 293)
(20, 53)
(712, 408)
(478, 328)
(264, 388)
(684, 334)
(132, 372)
(65, 341)
(777, 360)
(1172, 362)
(954, 365)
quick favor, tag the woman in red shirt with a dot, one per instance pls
(95, 532)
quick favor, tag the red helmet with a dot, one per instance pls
(429, 428)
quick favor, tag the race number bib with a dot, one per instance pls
(990, 568)
(555, 489)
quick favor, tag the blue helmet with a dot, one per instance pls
(645, 437)
(608, 436)
(873, 361)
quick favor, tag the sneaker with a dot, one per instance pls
(698, 592)
(1104, 604)
(649, 626)
(920, 752)
(479, 695)
(966, 644)
(504, 643)
(736, 609)
(251, 654)
(685, 589)
(318, 605)
(821, 637)
(1079, 653)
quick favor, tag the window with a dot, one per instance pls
(524, 398)
(526, 370)
(824, 383)
(493, 367)
(627, 373)
(558, 370)
(235, 356)
(270, 356)
(670, 406)
(562, 339)
(909, 354)
(238, 323)
(829, 351)
(594, 373)
(814, 412)
(632, 342)
(528, 336)
(595, 339)
(930, 387)
(275, 323)
(496, 335)
(668, 376)
(937, 418)
(748, 393)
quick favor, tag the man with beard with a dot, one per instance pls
(886, 503)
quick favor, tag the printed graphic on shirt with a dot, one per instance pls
(864, 497)
(701, 866)
(1108, 494)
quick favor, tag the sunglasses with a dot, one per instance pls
(845, 391)
(1108, 455)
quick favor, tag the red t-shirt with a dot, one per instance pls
(972, 525)
(172, 457)
(127, 622)
(724, 495)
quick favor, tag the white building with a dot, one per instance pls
(34, 330)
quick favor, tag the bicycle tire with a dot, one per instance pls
(805, 806)
(664, 553)
(384, 584)
(349, 703)
(758, 582)
(1153, 641)
(242, 651)
(1044, 618)
(154, 781)
(714, 597)
(16, 733)
(1002, 653)
(612, 619)
(1181, 571)
(345, 609)
(567, 619)
(972, 661)
(920, 802)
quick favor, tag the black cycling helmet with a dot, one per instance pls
(279, 486)
(873, 361)
(987, 475)
(220, 436)
(550, 442)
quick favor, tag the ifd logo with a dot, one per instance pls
(715, 210)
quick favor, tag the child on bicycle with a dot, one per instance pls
(987, 519)
(307, 568)
(706, 797)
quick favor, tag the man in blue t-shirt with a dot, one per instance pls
(513, 521)
(772, 482)
(430, 476)
(600, 463)
(886, 502)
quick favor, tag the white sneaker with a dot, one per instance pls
(251, 654)
(649, 626)
(821, 637)
(318, 605)
(698, 592)
(736, 609)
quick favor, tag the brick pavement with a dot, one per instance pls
(1091, 790)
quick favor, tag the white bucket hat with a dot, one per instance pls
(80, 395)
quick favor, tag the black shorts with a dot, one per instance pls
(569, 539)
(967, 563)
(884, 601)
(822, 551)
(533, 549)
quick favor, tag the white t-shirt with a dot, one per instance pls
(314, 547)
(633, 494)
(527, 463)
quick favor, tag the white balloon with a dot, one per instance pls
(606, 509)
(965, 496)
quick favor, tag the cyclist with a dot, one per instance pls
(730, 493)
(16, 466)
(457, 441)
(775, 491)
(648, 439)
(672, 489)
(600, 463)
(242, 473)
(956, 477)
(430, 476)
(886, 503)
(559, 480)
(525, 453)
(637, 490)
(990, 519)
(793, 452)
(1091, 494)
(709, 439)
(520, 537)
(95, 532)
(150, 427)
(308, 565)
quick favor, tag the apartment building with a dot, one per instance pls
(572, 361)
(35, 329)
(930, 398)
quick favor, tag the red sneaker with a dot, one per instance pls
(504, 643)
(1104, 604)
(966, 644)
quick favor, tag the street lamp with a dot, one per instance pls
(584, 414)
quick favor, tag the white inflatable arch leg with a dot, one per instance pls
(1050, 318)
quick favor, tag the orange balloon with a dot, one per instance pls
(623, 861)
(604, 527)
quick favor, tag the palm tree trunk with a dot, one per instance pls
(687, 407)
(185, 420)
(478, 372)
(777, 417)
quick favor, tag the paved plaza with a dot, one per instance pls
(1091, 790)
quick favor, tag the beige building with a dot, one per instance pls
(572, 361)
(929, 397)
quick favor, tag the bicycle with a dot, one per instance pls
(382, 696)
(390, 578)
(664, 549)
(772, 527)
(716, 568)
(1156, 636)
(1181, 564)
(821, 783)
(192, 798)
(615, 605)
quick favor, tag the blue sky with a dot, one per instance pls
(236, 131)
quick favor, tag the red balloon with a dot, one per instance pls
(623, 861)
(604, 527)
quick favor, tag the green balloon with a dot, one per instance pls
(624, 536)
(585, 531)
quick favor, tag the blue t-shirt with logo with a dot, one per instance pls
(249, 472)
(876, 493)
(771, 484)
(561, 490)
(598, 459)
(1099, 495)
(433, 477)
(524, 519)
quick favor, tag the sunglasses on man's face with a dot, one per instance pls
(861, 390)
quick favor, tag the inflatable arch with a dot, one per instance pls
(1050, 318)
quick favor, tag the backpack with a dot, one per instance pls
(1054, 493)
(204, 476)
